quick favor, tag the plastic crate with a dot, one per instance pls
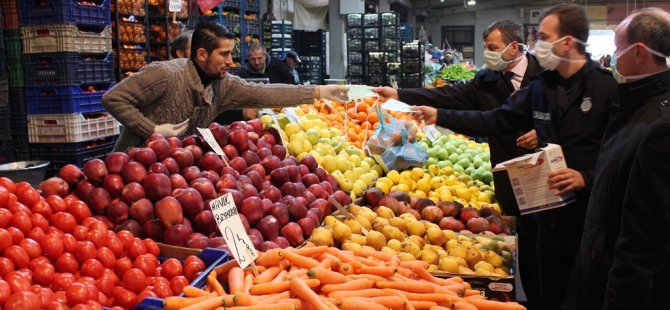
(61, 154)
(10, 12)
(390, 18)
(355, 69)
(355, 33)
(253, 6)
(355, 57)
(67, 69)
(371, 20)
(371, 32)
(17, 101)
(355, 80)
(354, 20)
(4, 94)
(372, 45)
(12, 42)
(390, 32)
(281, 26)
(390, 44)
(65, 38)
(64, 99)
(46, 12)
(53, 128)
(281, 41)
(376, 80)
(355, 45)
(15, 73)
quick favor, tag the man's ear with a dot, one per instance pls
(202, 55)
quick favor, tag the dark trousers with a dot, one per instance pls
(528, 265)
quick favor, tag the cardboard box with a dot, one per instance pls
(528, 175)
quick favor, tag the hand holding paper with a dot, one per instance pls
(386, 93)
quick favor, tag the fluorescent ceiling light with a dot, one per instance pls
(471, 2)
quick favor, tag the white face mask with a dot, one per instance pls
(546, 57)
(494, 59)
(629, 78)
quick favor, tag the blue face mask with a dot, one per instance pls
(629, 78)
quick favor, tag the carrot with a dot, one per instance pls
(440, 308)
(176, 302)
(280, 277)
(372, 292)
(326, 263)
(407, 286)
(404, 272)
(248, 282)
(393, 302)
(395, 262)
(297, 303)
(346, 268)
(463, 305)
(268, 274)
(422, 304)
(236, 280)
(300, 289)
(454, 279)
(424, 274)
(425, 296)
(359, 304)
(483, 304)
(345, 257)
(191, 291)
(325, 255)
(278, 287)
(470, 292)
(371, 277)
(274, 298)
(224, 268)
(311, 251)
(378, 271)
(359, 284)
(215, 284)
(278, 306)
(366, 252)
(299, 260)
(298, 273)
(410, 264)
(331, 305)
(225, 300)
(327, 276)
(367, 261)
(269, 258)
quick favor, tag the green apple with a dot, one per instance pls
(432, 161)
(442, 154)
(313, 135)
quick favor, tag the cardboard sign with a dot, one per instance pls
(431, 133)
(209, 138)
(528, 175)
(229, 223)
(175, 6)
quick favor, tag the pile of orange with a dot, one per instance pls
(357, 120)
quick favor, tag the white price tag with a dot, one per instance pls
(380, 161)
(229, 223)
(175, 6)
(209, 138)
(292, 116)
(431, 133)
(282, 134)
(267, 111)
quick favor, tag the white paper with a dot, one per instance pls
(396, 105)
(229, 223)
(431, 133)
(291, 115)
(175, 6)
(356, 92)
(209, 138)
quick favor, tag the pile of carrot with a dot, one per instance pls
(326, 278)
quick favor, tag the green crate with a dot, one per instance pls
(15, 72)
(13, 44)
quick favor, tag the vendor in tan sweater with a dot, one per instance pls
(174, 97)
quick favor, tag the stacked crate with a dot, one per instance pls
(11, 82)
(311, 46)
(373, 44)
(68, 66)
(277, 36)
(411, 65)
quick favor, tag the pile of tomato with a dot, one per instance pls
(55, 255)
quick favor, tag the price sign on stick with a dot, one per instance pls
(209, 138)
(229, 223)
(291, 115)
(431, 133)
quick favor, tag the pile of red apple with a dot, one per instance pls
(55, 255)
(162, 191)
(449, 215)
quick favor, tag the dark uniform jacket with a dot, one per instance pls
(275, 70)
(624, 257)
(487, 91)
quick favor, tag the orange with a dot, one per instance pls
(362, 107)
(361, 116)
(351, 113)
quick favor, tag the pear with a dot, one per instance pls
(399, 223)
(321, 236)
(375, 240)
(353, 225)
(364, 222)
(449, 264)
(356, 238)
(405, 257)
(341, 232)
(385, 212)
(434, 235)
(473, 257)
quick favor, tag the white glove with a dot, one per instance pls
(171, 130)
(334, 92)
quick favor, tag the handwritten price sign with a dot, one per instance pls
(229, 223)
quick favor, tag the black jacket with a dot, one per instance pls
(624, 257)
(486, 91)
(275, 70)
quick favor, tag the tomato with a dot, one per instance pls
(60, 296)
(115, 245)
(39, 221)
(152, 247)
(79, 210)
(171, 268)
(135, 280)
(17, 282)
(62, 281)
(191, 270)
(146, 264)
(56, 203)
(105, 285)
(52, 246)
(92, 291)
(55, 231)
(12, 199)
(18, 256)
(22, 185)
(44, 274)
(163, 290)
(126, 237)
(5, 291)
(6, 239)
(5, 217)
(80, 307)
(194, 259)
(8, 184)
(98, 237)
(103, 300)
(28, 196)
(6, 266)
(38, 261)
(88, 221)
(110, 273)
(94, 305)
(4, 197)
(42, 208)
(124, 298)
(122, 265)
(32, 248)
(80, 232)
(92, 268)
(136, 248)
(77, 293)
(56, 305)
(69, 243)
(86, 280)
(178, 283)
(144, 294)
(63, 221)
(17, 234)
(21, 220)
(25, 300)
(44, 295)
(36, 234)
(84, 251)
(26, 273)
(67, 263)
(98, 225)
(16, 207)
(106, 257)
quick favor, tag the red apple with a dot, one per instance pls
(191, 202)
(115, 161)
(281, 242)
(158, 168)
(177, 235)
(155, 136)
(84, 188)
(157, 186)
(209, 175)
(309, 179)
(204, 222)
(294, 173)
(322, 174)
(196, 151)
(199, 242)
(296, 210)
(113, 183)
(280, 211)
(319, 191)
(279, 151)
(205, 187)
(219, 132)
(183, 157)
(145, 156)
(71, 174)
(98, 200)
(171, 165)
(161, 147)
(153, 230)
(342, 198)
(293, 233)
(238, 197)
(252, 209)
(133, 172)
(178, 181)
(192, 140)
(272, 193)
(211, 161)
(315, 214)
(310, 162)
(258, 168)
(268, 245)
(191, 173)
(239, 139)
(271, 163)
(279, 176)
(263, 152)
(169, 212)
(174, 143)
(142, 211)
(95, 170)
(54, 186)
(250, 157)
(257, 125)
(327, 186)
(307, 225)
(118, 211)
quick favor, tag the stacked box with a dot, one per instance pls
(277, 37)
(411, 65)
(373, 45)
(311, 46)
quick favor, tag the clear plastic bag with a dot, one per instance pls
(389, 133)
(404, 156)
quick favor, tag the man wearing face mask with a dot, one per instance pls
(624, 257)
(568, 105)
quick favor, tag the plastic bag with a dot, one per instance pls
(404, 156)
(389, 133)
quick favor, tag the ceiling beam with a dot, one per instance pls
(407, 3)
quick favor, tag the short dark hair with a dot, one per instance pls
(207, 36)
(572, 21)
(511, 31)
(256, 47)
(180, 42)
(651, 29)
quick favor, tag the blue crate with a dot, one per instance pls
(4, 122)
(67, 69)
(212, 258)
(4, 92)
(17, 101)
(46, 12)
(64, 99)
(61, 154)
(6, 150)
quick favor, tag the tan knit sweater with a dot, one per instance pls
(171, 92)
